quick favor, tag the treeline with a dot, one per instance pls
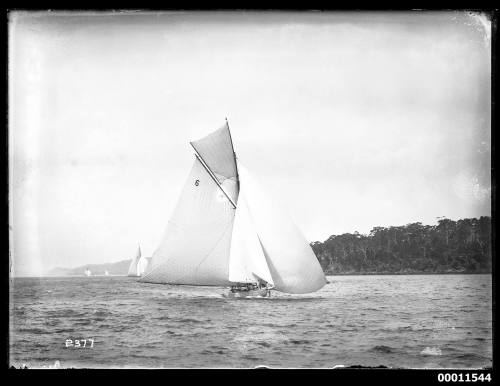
(450, 246)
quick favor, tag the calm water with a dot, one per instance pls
(396, 321)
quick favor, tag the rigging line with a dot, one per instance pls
(212, 175)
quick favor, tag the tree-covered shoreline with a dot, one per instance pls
(462, 246)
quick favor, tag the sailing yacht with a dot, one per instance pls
(138, 265)
(106, 273)
(142, 265)
(87, 272)
(224, 231)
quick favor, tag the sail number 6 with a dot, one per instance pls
(197, 182)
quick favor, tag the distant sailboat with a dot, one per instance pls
(87, 272)
(106, 273)
(138, 265)
(225, 232)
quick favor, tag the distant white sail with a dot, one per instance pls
(247, 262)
(132, 269)
(142, 265)
(195, 248)
(291, 260)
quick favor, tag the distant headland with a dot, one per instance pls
(118, 268)
(462, 246)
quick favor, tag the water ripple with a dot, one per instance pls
(397, 321)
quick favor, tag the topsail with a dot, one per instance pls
(225, 230)
(216, 150)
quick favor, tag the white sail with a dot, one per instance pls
(219, 236)
(216, 150)
(142, 265)
(195, 248)
(247, 262)
(132, 269)
(292, 263)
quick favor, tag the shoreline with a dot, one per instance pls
(406, 273)
(326, 274)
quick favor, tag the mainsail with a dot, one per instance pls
(224, 230)
(195, 248)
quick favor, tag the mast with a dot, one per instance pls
(198, 156)
(234, 154)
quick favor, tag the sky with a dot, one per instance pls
(350, 120)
